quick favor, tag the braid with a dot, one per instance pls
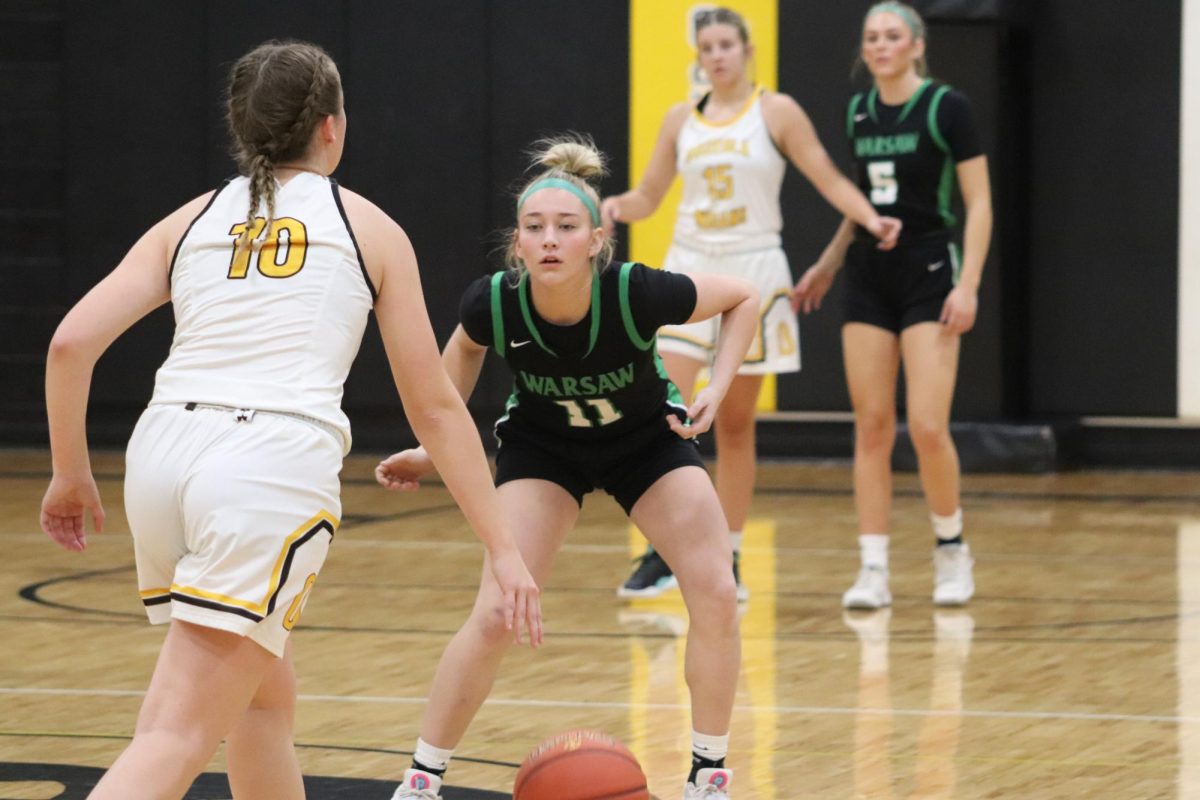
(305, 120)
(262, 188)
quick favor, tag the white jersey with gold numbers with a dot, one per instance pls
(274, 327)
(732, 172)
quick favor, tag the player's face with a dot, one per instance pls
(888, 47)
(722, 54)
(555, 237)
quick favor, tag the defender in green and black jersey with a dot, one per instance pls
(589, 400)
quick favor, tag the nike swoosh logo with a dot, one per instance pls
(860, 117)
(518, 344)
(935, 266)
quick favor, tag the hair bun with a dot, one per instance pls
(575, 155)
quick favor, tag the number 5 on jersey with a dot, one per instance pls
(281, 254)
(603, 409)
(884, 188)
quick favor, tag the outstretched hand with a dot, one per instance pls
(403, 471)
(67, 502)
(522, 597)
(811, 289)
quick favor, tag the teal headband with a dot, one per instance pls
(559, 183)
(914, 25)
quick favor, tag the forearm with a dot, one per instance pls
(68, 384)
(977, 234)
(842, 194)
(834, 254)
(738, 325)
(448, 434)
(636, 205)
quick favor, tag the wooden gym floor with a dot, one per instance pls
(1075, 672)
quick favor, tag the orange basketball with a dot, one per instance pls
(580, 765)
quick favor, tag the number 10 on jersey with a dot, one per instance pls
(602, 409)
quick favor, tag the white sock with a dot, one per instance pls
(735, 539)
(874, 549)
(948, 527)
(432, 757)
(714, 748)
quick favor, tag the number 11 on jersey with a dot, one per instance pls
(577, 415)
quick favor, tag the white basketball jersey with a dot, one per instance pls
(731, 172)
(276, 326)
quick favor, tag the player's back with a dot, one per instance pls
(276, 326)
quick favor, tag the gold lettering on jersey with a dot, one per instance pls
(784, 339)
(720, 219)
(740, 147)
(297, 607)
(280, 253)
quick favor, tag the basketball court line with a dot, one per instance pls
(1043, 715)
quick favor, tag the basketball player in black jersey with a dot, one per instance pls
(912, 138)
(592, 408)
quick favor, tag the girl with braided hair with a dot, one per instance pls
(591, 408)
(232, 489)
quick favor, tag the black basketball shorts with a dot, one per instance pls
(901, 287)
(624, 466)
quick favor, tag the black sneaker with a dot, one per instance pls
(651, 578)
(743, 592)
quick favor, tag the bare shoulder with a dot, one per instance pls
(169, 230)
(676, 116)
(780, 106)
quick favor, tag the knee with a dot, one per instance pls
(712, 600)
(735, 430)
(875, 431)
(928, 435)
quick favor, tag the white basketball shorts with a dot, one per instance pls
(232, 514)
(776, 345)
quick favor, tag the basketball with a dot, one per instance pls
(580, 765)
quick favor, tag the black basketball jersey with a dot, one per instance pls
(592, 380)
(906, 155)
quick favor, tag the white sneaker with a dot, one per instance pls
(953, 583)
(418, 785)
(870, 590)
(710, 783)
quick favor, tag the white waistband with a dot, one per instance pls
(248, 414)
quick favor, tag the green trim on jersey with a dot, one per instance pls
(674, 397)
(946, 193)
(946, 183)
(497, 316)
(627, 315)
(850, 111)
(955, 263)
(912, 101)
(932, 120)
(594, 331)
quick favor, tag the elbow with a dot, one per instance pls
(68, 346)
(752, 297)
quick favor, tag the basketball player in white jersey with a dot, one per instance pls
(232, 489)
(732, 149)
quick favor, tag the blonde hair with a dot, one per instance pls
(573, 158)
(911, 19)
(277, 95)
